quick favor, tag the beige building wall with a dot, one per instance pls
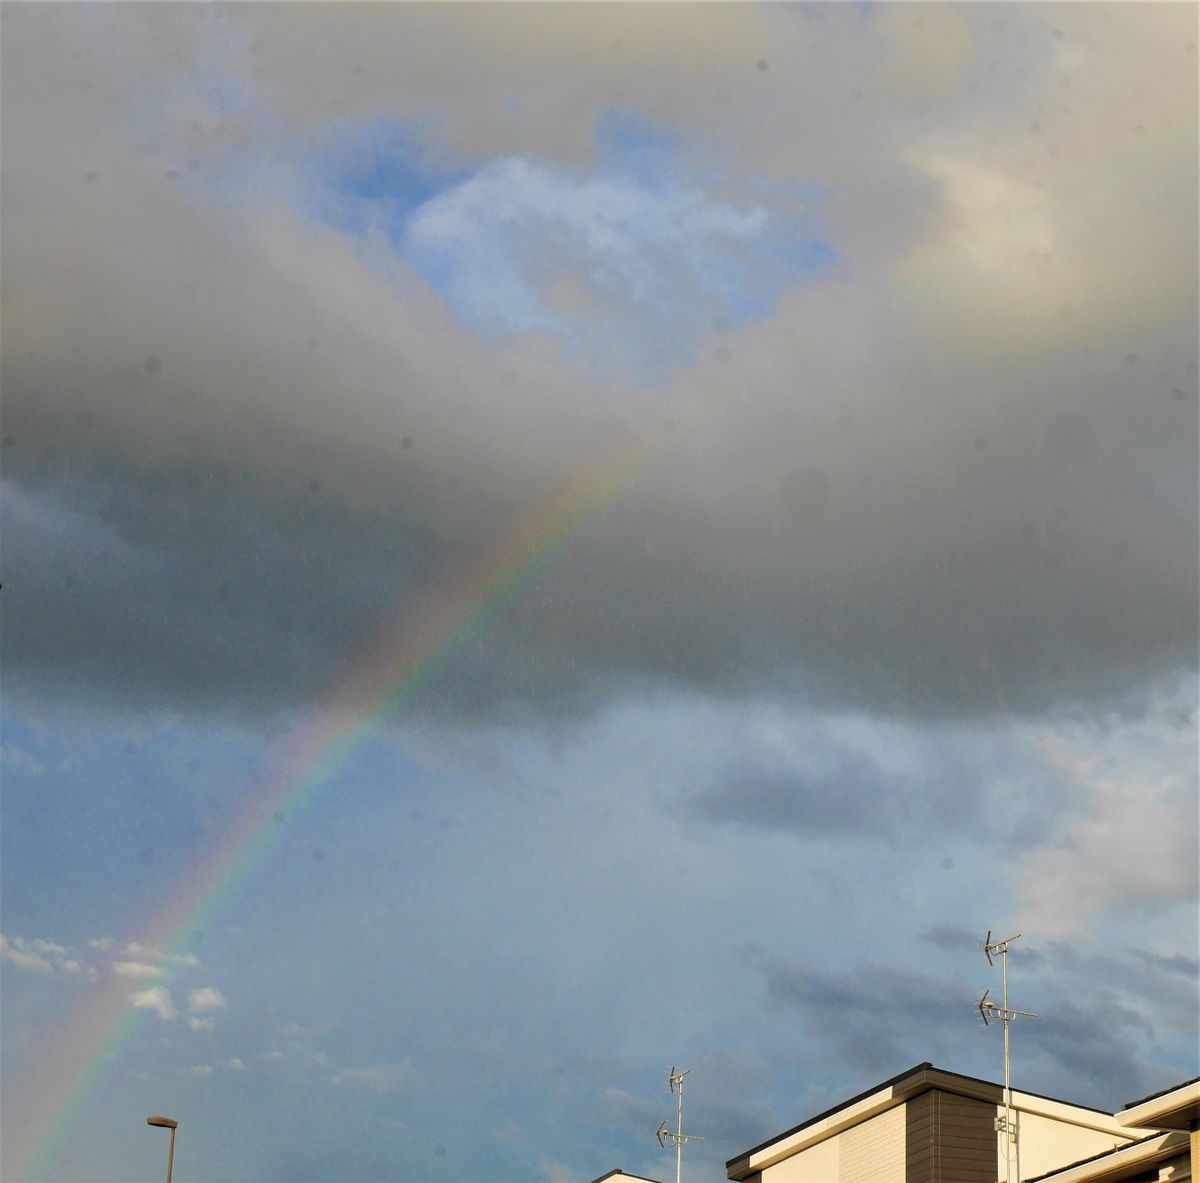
(1048, 1141)
(817, 1164)
(874, 1151)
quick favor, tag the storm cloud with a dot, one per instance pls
(242, 440)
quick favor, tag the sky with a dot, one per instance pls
(543, 543)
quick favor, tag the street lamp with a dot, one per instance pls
(168, 1123)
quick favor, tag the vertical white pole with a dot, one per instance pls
(1009, 1132)
(679, 1136)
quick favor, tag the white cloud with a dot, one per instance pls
(206, 998)
(138, 969)
(101, 944)
(38, 955)
(202, 1070)
(14, 951)
(157, 999)
(379, 1078)
(236, 1064)
(527, 247)
(1130, 843)
(198, 1024)
(149, 953)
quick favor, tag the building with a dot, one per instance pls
(1168, 1149)
(928, 1125)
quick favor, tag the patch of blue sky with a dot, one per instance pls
(632, 146)
(373, 173)
(625, 264)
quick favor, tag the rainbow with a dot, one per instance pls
(408, 656)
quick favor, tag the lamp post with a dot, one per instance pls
(168, 1123)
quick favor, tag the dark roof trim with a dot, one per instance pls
(830, 1112)
(925, 1066)
(616, 1172)
(1161, 1093)
(1070, 1166)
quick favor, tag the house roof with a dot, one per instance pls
(1161, 1093)
(617, 1173)
(918, 1079)
(1175, 1108)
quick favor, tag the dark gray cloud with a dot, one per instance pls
(242, 448)
(947, 782)
(1176, 963)
(876, 1018)
(1096, 1043)
(951, 938)
(1102, 1021)
(854, 797)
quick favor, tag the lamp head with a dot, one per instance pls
(166, 1122)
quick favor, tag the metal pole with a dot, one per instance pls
(171, 1155)
(1009, 1135)
(679, 1136)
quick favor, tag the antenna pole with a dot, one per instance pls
(679, 1134)
(1006, 1014)
(1008, 1121)
(676, 1137)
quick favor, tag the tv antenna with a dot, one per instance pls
(1006, 1014)
(676, 1137)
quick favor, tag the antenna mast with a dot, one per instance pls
(676, 1137)
(1006, 1015)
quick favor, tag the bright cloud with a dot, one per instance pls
(522, 246)
(39, 955)
(1135, 789)
(149, 953)
(206, 998)
(138, 969)
(14, 951)
(157, 999)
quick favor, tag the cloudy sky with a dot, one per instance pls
(710, 494)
